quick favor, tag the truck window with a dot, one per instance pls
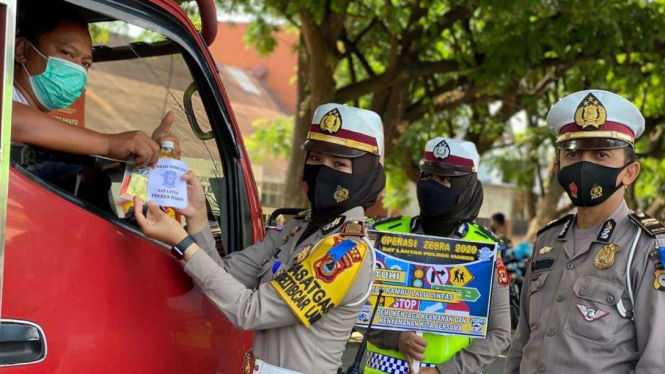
(135, 93)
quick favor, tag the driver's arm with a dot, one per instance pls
(33, 127)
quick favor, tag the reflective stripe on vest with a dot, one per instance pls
(378, 363)
(440, 348)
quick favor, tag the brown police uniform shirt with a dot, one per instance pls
(239, 285)
(481, 352)
(569, 319)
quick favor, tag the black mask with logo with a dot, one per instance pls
(443, 208)
(588, 184)
(332, 192)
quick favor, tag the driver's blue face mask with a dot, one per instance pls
(61, 83)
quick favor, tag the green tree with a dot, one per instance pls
(432, 67)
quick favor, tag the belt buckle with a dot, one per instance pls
(249, 362)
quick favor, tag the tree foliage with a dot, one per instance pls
(433, 67)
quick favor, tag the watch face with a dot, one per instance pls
(177, 253)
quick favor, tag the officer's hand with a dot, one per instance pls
(195, 212)
(163, 132)
(133, 144)
(157, 224)
(410, 344)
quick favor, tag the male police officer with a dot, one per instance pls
(594, 297)
(450, 196)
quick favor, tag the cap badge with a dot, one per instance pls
(442, 150)
(590, 113)
(331, 122)
(605, 257)
(596, 192)
(341, 194)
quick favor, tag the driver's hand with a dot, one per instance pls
(196, 211)
(133, 144)
(163, 132)
(412, 345)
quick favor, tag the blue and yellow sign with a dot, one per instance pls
(431, 284)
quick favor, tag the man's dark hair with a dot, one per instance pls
(42, 20)
(499, 218)
(629, 152)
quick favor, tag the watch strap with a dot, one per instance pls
(178, 250)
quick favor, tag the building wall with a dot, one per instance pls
(277, 70)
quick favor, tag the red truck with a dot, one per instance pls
(83, 291)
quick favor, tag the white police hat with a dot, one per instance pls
(595, 119)
(345, 131)
(450, 157)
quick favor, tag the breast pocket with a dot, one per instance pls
(536, 297)
(593, 315)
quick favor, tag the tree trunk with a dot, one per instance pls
(656, 207)
(317, 62)
(547, 206)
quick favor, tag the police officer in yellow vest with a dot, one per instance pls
(593, 299)
(300, 288)
(450, 196)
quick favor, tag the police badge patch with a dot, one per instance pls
(441, 151)
(331, 122)
(605, 257)
(590, 113)
(596, 192)
(341, 194)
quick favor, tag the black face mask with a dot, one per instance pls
(330, 189)
(588, 184)
(436, 199)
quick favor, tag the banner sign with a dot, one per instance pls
(431, 284)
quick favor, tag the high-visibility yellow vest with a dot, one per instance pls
(440, 348)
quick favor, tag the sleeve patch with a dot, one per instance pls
(318, 284)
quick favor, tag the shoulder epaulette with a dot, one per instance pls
(487, 232)
(649, 224)
(556, 222)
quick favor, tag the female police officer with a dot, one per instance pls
(450, 196)
(303, 286)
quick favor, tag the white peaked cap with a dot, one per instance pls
(447, 156)
(595, 119)
(357, 130)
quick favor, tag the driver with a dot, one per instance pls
(52, 57)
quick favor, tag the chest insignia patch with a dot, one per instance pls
(591, 315)
(546, 249)
(605, 257)
(302, 255)
(545, 263)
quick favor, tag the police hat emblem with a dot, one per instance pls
(331, 122)
(590, 113)
(441, 151)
